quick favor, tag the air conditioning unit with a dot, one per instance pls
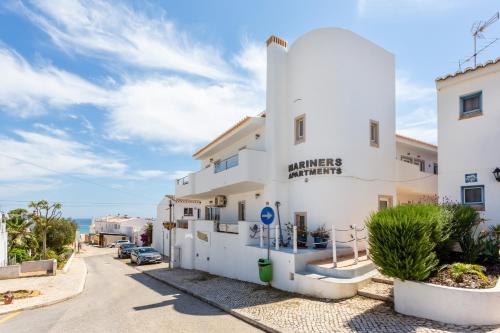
(220, 201)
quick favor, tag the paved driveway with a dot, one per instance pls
(117, 298)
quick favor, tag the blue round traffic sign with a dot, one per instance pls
(267, 215)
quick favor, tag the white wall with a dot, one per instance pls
(429, 156)
(3, 243)
(340, 81)
(470, 145)
(161, 239)
(447, 304)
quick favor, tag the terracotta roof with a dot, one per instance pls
(416, 141)
(229, 131)
(469, 69)
(172, 197)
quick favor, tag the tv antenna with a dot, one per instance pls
(477, 31)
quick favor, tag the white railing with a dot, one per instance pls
(332, 241)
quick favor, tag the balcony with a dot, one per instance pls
(241, 172)
(413, 181)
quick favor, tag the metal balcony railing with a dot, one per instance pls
(183, 181)
(225, 164)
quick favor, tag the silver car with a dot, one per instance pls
(145, 255)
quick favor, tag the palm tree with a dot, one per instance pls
(19, 229)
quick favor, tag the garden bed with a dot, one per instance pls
(20, 294)
(448, 304)
(468, 280)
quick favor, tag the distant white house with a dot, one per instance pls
(183, 210)
(120, 225)
(469, 132)
(3, 242)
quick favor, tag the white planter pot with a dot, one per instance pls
(448, 304)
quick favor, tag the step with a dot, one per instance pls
(383, 279)
(378, 291)
(345, 269)
(322, 286)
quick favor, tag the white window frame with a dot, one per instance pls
(385, 198)
(241, 210)
(189, 210)
(300, 137)
(479, 204)
(374, 133)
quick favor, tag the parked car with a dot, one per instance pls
(124, 250)
(118, 242)
(144, 255)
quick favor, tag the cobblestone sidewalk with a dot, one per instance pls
(285, 312)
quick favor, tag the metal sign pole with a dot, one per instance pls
(268, 242)
(170, 205)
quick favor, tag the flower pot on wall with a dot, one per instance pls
(320, 242)
(302, 242)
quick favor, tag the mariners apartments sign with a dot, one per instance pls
(318, 166)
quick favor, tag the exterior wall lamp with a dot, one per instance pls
(496, 173)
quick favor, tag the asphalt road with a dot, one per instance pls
(117, 298)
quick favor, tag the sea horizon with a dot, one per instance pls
(83, 224)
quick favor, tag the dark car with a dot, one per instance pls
(124, 250)
(144, 255)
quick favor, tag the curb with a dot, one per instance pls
(226, 309)
(67, 266)
(42, 305)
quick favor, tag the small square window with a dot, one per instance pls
(473, 196)
(407, 159)
(300, 129)
(188, 211)
(471, 105)
(374, 133)
(384, 201)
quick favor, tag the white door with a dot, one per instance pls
(202, 250)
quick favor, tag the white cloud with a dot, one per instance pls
(178, 112)
(22, 187)
(150, 173)
(32, 156)
(26, 90)
(420, 123)
(407, 90)
(253, 58)
(51, 130)
(133, 36)
(179, 174)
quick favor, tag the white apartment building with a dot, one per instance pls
(468, 136)
(183, 210)
(120, 225)
(325, 151)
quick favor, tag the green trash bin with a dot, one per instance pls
(265, 270)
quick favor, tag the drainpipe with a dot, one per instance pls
(277, 203)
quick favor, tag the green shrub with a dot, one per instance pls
(491, 244)
(458, 270)
(403, 239)
(464, 224)
(61, 232)
(20, 254)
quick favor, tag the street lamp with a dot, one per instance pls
(496, 173)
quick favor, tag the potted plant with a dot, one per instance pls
(321, 236)
(301, 237)
(7, 298)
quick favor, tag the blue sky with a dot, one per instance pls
(103, 103)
